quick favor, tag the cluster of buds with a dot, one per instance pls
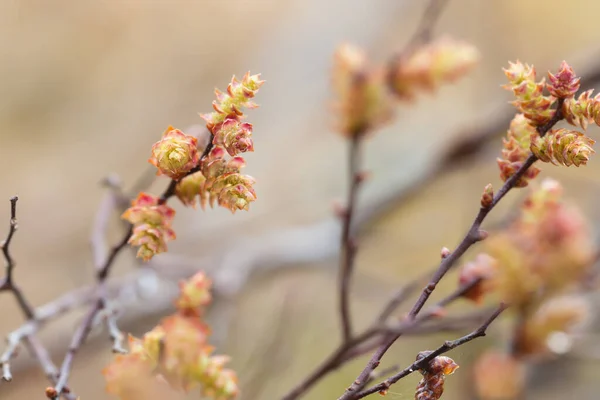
(208, 177)
(529, 94)
(219, 180)
(174, 357)
(516, 149)
(563, 147)
(364, 91)
(151, 225)
(431, 386)
(429, 67)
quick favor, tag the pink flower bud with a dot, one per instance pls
(175, 154)
(565, 83)
(234, 136)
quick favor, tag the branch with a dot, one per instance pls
(354, 347)
(348, 245)
(474, 235)
(423, 362)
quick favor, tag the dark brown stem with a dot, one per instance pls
(474, 235)
(348, 242)
(423, 362)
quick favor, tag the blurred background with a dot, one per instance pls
(88, 86)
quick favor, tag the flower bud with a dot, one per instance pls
(175, 154)
(230, 104)
(565, 83)
(431, 387)
(516, 150)
(563, 147)
(443, 61)
(191, 187)
(234, 136)
(487, 198)
(151, 225)
(529, 94)
(362, 103)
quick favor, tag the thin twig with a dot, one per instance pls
(352, 348)
(348, 242)
(423, 362)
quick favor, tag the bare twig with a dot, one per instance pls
(348, 242)
(354, 347)
(423, 362)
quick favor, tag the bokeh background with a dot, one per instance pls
(87, 87)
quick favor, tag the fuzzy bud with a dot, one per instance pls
(487, 198)
(565, 83)
(175, 154)
(234, 136)
(481, 269)
(529, 94)
(429, 67)
(362, 103)
(516, 149)
(563, 147)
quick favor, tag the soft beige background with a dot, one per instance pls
(88, 86)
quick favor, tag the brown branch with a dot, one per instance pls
(352, 348)
(422, 363)
(348, 242)
(474, 235)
